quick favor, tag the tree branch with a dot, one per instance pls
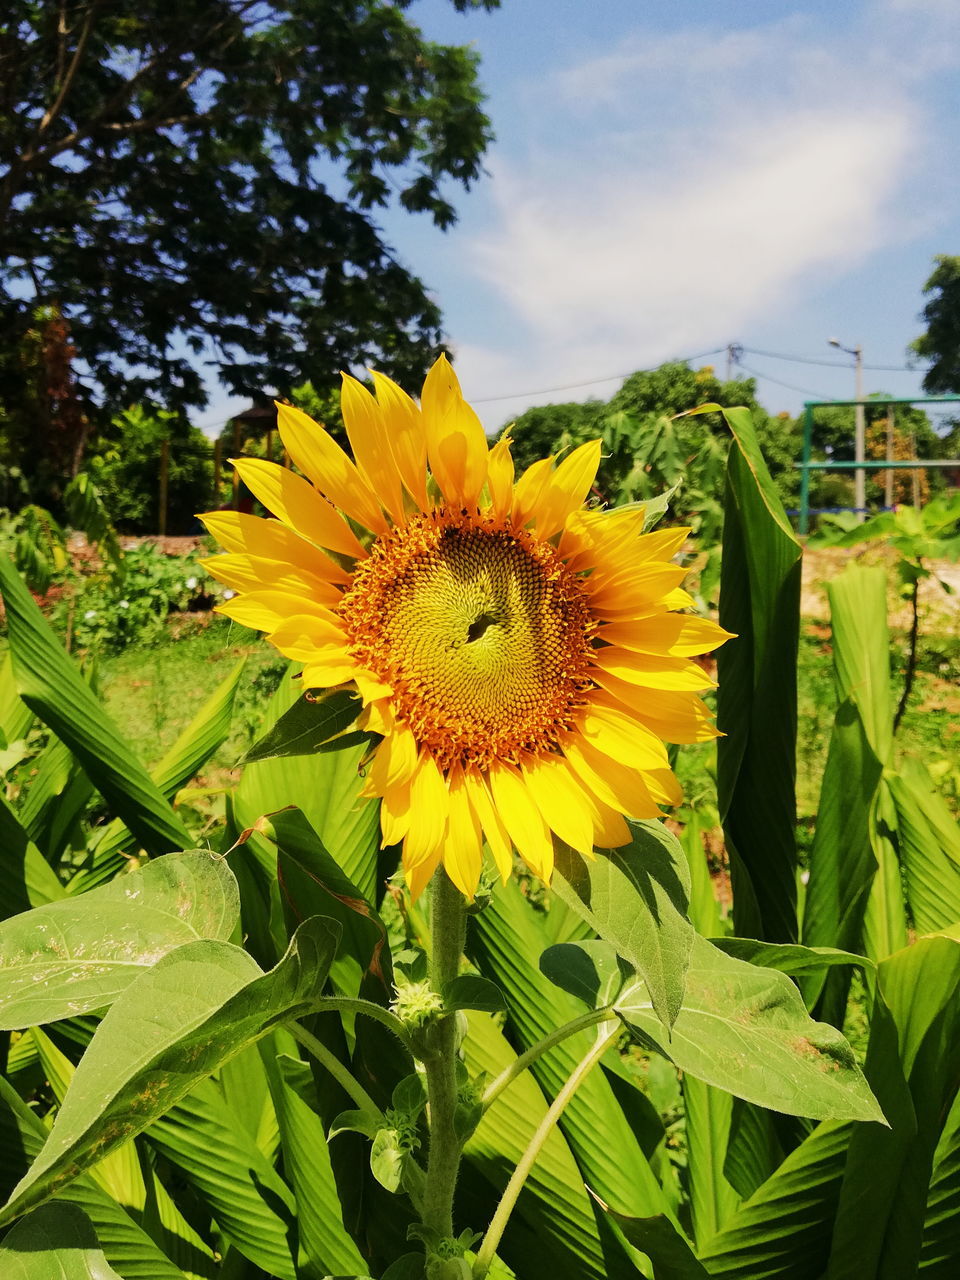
(67, 82)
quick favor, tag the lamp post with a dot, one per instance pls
(860, 428)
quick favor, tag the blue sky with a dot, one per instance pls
(671, 177)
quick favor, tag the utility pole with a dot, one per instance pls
(860, 428)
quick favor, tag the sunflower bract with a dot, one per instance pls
(522, 658)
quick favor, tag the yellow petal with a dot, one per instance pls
(271, 540)
(652, 671)
(560, 800)
(528, 489)
(610, 831)
(614, 784)
(676, 634)
(429, 809)
(253, 573)
(405, 433)
(462, 851)
(490, 822)
(456, 442)
(394, 762)
(418, 875)
(326, 465)
(592, 538)
(378, 717)
(299, 505)
(500, 478)
(641, 586)
(323, 673)
(310, 640)
(395, 815)
(267, 610)
(618, 735)
(522, 818)
(566, 489)
(370, 443)
(673, 717)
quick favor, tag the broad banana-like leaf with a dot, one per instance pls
(757, 697)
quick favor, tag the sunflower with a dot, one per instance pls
(522, 658)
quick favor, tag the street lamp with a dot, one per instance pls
(860, 429)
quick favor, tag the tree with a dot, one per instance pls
(941, 341)
(198, 179)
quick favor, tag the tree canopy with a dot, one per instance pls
(198, 181)
(940, 343)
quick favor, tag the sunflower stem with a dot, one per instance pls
(447, 926)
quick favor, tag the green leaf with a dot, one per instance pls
(745, 1029)
(26, 878)
(784, 1229)
(940, 1250)
(325, 1244)
(472, 992)
(127, 1246)
(553, 1214)
(757, 697)
(55, 1240)
(386, 1159)
(219, 1159)
(314, 723)
(914, 1062)
(843, 863)
(327, 788)
(15, 719)
(53, 689)
(506, 942)
(861, 649)
(789, 957)
(659, 1239)
(76, 955)
(175, 1024)
(929, 842)
(589, 970)
(636, 898)
(312, 883)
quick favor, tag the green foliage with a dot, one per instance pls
(194, 1107)
(940, 342)
(213, 194)
(125, 467)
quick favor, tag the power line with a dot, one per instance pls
(790, 386)
(830, 364)
(591, 382)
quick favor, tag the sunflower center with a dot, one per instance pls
(480, 629)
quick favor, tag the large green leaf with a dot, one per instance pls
(658, 1238)
(176, 1023)
(861, 649)
(76, 955)
(327, 788)
(553, 1215)
(51, 686)
(15, 719)
(58, 793)
(26, 878)
(326, 1248)
(782, 1232)
(745, 1029)
(57, 1240)
(312, 883)
(127, 1247)
(636, 897)
(940, 1251)
(707, 1111)
(189, 753)
(315, 722)
(250, 1203)
(929, 841)
(506, 944)
(914, 1059)
(842, 860)
(757, 698)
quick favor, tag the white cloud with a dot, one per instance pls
(777, 161)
